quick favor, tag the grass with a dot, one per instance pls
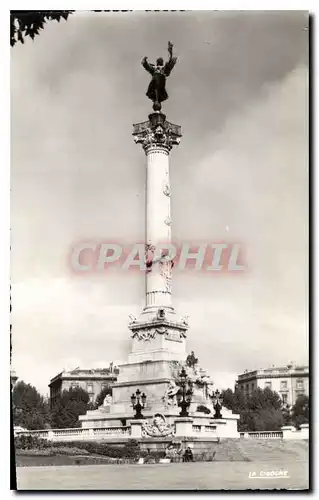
(198, 476)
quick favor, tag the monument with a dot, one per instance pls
(158, 349)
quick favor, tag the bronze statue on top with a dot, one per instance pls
(156, 90)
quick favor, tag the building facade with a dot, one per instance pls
(289, 381)
(92, 381)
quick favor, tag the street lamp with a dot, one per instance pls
(138, 403)
(217, 400)
(184, 394)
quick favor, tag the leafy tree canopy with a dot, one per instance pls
(300, 411)
(259, 411)
(68, 406)
(29, 409)
(25, 23)
(29, 22)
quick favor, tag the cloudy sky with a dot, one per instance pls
(239, 92)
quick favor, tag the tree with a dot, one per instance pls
(29, 22)
(68, 406)
(264, 398)
(29, 409)
(106, 391)
(234, 400)
(300, 411)
(259, 411)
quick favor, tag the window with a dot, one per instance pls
(284, 398)
(247, 387)
(89, 387)
(299, 384)
(268, 384)
(283, 385)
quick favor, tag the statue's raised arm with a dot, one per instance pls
(171, 62)
(149, 67)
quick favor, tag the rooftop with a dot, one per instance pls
(281, 370)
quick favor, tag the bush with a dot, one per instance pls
(53, 451)
(129, 450)
(27, 442)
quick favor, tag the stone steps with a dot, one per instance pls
(254, 450)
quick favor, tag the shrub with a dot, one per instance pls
(27, 442)
(53, 451)
(128, 450)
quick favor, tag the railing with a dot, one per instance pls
(78, 433)
(112, 431)
(262, 435)
(201, 429)
(197, 428)
(210, 428)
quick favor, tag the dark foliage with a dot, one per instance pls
(129, 450)
(68, 406)
(29, 409)
(260, 411)
(106, 391)
(24, 442)
(25, 23)
(300, 411)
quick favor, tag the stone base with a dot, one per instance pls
(196, 425)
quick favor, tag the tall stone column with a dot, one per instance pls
(158, 334)
(157, 137)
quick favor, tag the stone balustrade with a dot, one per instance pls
(201, 429)
(286, 432)
(78, 433)
(262, 435)
(183, 427)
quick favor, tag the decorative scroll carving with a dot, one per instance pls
(158, 427)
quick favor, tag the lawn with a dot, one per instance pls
(189, 476)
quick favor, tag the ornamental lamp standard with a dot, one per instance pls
(138, 403)
(184, 394)
(217, 400)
